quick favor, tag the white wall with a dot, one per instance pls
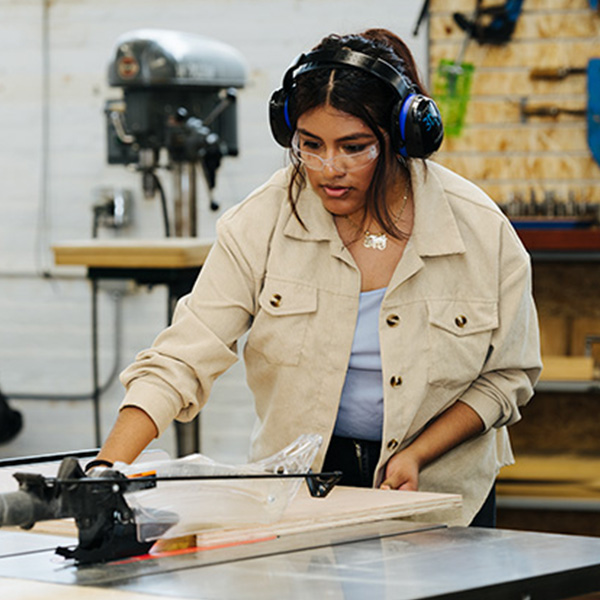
(53, 61)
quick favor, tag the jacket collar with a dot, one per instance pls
(435, 231)
(320, 225)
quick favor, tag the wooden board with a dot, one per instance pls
(567, 368)
(554, 467)
(555, 476)
(343, 506)
(130, 253)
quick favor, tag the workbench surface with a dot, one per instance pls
(133, 253)
(387, 559)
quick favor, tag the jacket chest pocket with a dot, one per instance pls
(280, 325)
(460, 334)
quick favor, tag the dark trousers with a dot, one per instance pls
(357, 460)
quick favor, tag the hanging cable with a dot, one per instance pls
(117, 297)
(43, 224)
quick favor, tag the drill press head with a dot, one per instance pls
(179, 97)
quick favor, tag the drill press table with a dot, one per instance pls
(174, 262)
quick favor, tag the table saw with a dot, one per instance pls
(327, 541)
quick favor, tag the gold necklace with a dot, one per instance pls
(378, 241)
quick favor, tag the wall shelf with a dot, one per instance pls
(548, 503)
(562, 245)
(569, 387)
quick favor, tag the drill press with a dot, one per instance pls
(178, 111)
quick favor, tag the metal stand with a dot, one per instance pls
(185, 178)
(179, 282)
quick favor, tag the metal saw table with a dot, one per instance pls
(385, 559)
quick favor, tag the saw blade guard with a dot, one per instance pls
(203, 505)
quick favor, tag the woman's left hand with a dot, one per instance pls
(455, 425)
(401, 473)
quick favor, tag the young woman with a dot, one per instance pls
(388, 300)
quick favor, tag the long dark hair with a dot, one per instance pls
(362, 95)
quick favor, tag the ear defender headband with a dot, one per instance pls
(416, 128)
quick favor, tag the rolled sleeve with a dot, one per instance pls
(514, 364)
(173, 379)
(160, 407)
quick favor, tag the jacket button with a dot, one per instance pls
(275, 300)
(395, 380)
(392, 444)
(460, 321)
(393, 320)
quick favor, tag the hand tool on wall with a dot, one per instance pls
(591, 112)
(491, 24)
(546, 110)
(421, 17)
(487, 25)
(555, 73)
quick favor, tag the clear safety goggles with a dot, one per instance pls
(343, 162)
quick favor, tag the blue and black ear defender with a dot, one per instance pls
(416, 128)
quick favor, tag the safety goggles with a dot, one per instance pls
(346, 161)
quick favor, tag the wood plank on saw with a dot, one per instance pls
(343, 506)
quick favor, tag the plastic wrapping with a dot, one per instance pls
(192, 506)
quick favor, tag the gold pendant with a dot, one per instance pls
(377, 241)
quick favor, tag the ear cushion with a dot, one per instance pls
(416, 129)
(279, 118)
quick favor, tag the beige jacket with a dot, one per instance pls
(457, 321)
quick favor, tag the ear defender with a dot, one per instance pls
(279, 118)
(416, 128)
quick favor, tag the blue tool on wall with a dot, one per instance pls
(593, 108)
(491, 24)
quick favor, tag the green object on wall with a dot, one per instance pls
(451, 91)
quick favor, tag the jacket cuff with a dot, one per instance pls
(160, 407)
(489, 411)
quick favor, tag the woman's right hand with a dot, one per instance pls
(132, 432)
